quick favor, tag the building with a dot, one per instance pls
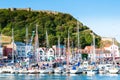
(99, 52)
(28, 49)
(51, 52)
(107, 39)
(114, 50)
(7, 51)
(20, 49)
(41, 54)
(45, 54)
(106, 52)
(14, 9)
(59, 50)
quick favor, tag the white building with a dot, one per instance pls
(50, 54)
(114, 51)
(44, 54)
(41, 55)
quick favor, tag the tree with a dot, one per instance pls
(57, 24)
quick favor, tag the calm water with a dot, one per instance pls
(57, 77)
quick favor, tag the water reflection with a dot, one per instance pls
(67, 76)
(58, 77)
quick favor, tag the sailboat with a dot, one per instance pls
(90, 69)
(32, 70)
(47, 67)
(7, 68)
(113, 69)
(76, 68)
(59, 67)
(1, 49)
(29, 69)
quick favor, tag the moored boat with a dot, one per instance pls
(59, 70)
(113, 70)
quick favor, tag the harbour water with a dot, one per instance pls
(58, 77)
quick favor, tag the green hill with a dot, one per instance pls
(56, 24)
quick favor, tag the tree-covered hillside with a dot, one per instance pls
(55, 23)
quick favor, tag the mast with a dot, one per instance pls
(36, 43)
(26, 35)
(113, 52)
(47, 45)
(73, 50)
(68, 51)
(1, 40)
(78, 34)
(47, 41)
(59, 46)
(26, 40)
(0, 37)
(94, 52)
(12, 45)
(1, 49)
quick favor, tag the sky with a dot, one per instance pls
(101, 16)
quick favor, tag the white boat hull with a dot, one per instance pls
(90, 73)
(113, 71)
